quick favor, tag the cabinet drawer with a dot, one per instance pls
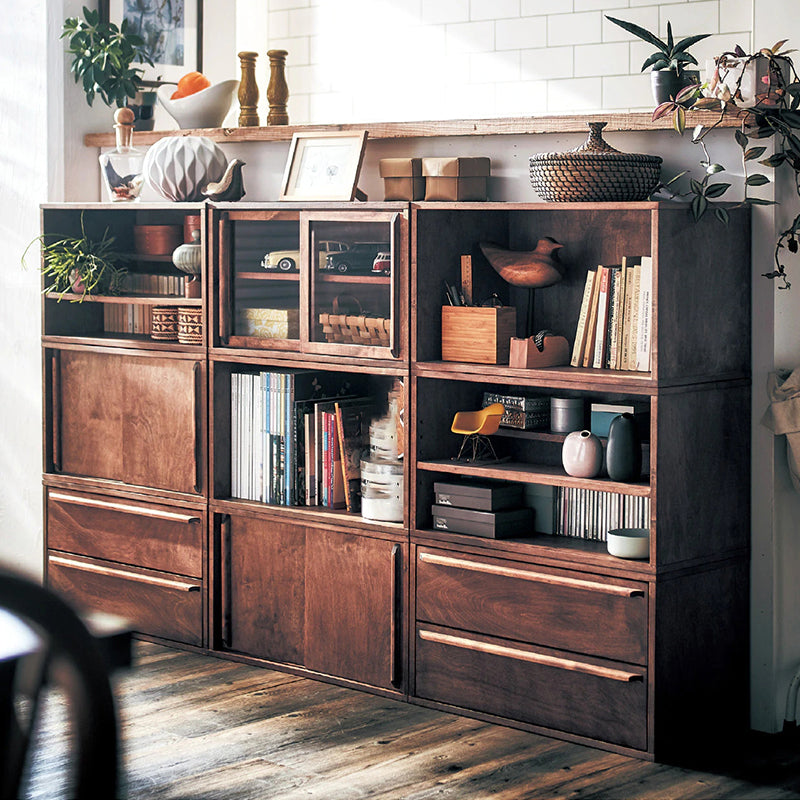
(155, 602)
(147, 535)
(555, 608)
(576, 694)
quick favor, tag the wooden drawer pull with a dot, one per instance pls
(143, 512)
(527, 575)
(181, 586)
(534, 658)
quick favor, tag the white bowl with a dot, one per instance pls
(204, 109)
(629, 542)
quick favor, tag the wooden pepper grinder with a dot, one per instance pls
(248, 91)
(277, 90)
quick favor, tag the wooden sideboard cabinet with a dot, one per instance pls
(147, 512)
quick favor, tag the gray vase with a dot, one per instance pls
(624, 449)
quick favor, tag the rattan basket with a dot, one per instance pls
(354, 328)
(594, 172)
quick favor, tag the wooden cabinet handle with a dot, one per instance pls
(395, 625)
(528, 575)
(623, 676)
(150, 513)
(56, 405)
(83, 566)
(225, 579)
(394, 330)
(197, 370)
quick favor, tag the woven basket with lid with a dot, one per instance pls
(594, 172)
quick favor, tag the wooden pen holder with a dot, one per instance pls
(477, 334)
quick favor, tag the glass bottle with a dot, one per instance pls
(122, 166)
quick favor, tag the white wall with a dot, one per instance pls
(382, 60)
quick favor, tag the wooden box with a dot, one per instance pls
(402, 178)
(456, 179)
(476, 334)
(524, 353)
(482, 496)
(502, 524)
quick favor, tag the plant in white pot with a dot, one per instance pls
(669, 62)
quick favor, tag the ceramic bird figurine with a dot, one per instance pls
(532, 269)
(230, 186)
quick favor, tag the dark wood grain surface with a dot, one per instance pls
(197, 727)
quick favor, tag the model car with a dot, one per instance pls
(359, 258)
(287, 260)
(382, 265)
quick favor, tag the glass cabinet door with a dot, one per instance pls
(260, 267)
(355, 265)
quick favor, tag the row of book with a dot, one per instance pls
(615, 320)
(128, 318)
(591, 514)
(160, 285)
(294, 445)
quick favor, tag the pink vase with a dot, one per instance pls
(582, 454)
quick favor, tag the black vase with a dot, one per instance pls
(624, 449)
(666, 84)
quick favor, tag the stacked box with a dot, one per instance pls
(521, 412)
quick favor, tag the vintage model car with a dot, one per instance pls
(359, 258)
(288, 260)
(382, 265)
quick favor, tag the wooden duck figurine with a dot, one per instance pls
(230, 186)
(532, 269)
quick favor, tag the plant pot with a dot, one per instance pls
(666, 84)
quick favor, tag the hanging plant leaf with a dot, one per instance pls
(756, 180)
(754, 152)
(716, 189)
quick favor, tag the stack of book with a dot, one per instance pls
(615, 320)
(161, 285)
(127, 318)
(591, 514)
(292, 444)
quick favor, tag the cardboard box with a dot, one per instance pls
(457, 179)
(489, 524)
(268, 323)
(476, 334)
(481, 496)
(402, 178)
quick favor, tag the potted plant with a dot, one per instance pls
(103, 55)
(772, 112)
(80, 265)
(669, 74)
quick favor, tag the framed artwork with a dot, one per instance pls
(324, 166)
(172, 31)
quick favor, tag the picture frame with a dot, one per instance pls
(173, 31)
(324, 166)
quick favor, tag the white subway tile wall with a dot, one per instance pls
(395, 60)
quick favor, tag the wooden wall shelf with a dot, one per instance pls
(502, 126)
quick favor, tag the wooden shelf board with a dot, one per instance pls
(503, 126)
(353, 277)
(130, 299)
(112, 339)
(543, 474)
(268, 276)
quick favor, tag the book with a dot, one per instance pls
(633, 263)
(615, 348)
(645, 315)
(352, 425)
(580, 331)
(601, 321)
(591, 323)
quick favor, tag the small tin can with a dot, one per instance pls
(566, 414)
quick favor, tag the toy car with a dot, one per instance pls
(382, 265)
(359, 258)
(287, 260)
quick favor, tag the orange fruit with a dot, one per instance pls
(190, 83)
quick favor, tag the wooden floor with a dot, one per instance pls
(200, 728)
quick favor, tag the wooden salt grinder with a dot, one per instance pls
(277, 89)
(248, 91)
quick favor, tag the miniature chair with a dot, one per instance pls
(477, 427)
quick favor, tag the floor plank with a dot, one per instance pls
(196, 727)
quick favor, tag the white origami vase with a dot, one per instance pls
(180, 167)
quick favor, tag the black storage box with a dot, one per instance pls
(488, 524)
(478, 495)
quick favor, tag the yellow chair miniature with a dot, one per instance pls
(477, 427)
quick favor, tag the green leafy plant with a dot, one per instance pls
(79, 265)
(669, 55)
(774, 114)
(102, 57)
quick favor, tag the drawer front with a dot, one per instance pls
(156, 603)
(144, 534)
(555, 608)
(586, 696)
